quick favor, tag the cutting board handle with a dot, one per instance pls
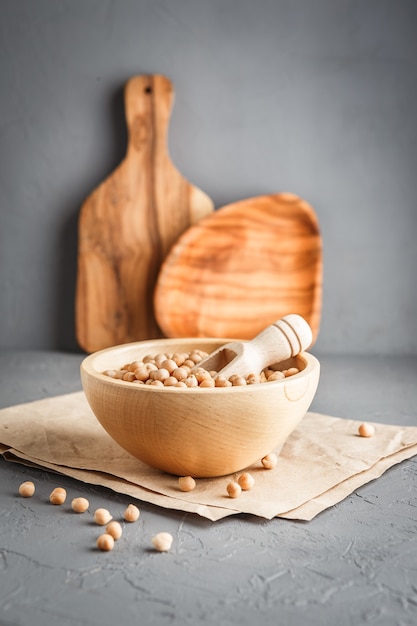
(147, 124)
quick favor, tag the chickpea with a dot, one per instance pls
(291, 371)
(246, 481)
(27, 489)
(201, 375)
(179, 358)
(182, 384)
(195, 357)
(160, 374)
(156, 383)
(80, 505)
(180, 373)
(120, 373)
(188, 363)
(207, 382)
(151, 367)
(275, 376)
(114, 529)
(159, 359)
(170, 365)
(162, 542)
(102, 517)
(131, 513)
(148, 358)
(141, 373)
(237, 381)
(171, 381)
(129, 377)
(221, 381)
(253, 379)
(191, 381)
(58, 495)
(105, 542)
(134, 365)
(234, 489)
(270, 460)
(186, 483)
(111, 373)
(366, 430)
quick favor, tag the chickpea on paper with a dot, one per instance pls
(366, 430)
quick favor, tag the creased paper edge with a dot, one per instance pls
(348, 486)
(119, 485)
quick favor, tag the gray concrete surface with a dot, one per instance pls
(316, 97)
(355, 564)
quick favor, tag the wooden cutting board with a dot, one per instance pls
(129, 223)
(242, 268)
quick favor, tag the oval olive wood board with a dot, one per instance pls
(129, 222)
(242, 268)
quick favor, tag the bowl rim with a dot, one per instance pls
(312, 363)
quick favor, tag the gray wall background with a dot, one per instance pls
(317, 97)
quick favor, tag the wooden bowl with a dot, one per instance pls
(202, 432)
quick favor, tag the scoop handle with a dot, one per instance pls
(285, 338)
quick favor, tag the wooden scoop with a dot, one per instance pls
(285, 338)
(129, 223)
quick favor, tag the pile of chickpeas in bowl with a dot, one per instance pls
(180, 370)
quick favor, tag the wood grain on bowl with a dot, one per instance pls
(199, 432)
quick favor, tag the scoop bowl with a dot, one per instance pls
(202, 432)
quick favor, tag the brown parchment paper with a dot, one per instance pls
(322, 462)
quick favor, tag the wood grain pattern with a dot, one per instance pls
(129, 223)
(240, 269)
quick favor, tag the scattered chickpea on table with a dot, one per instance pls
(27, 489)
(162, 542)
(131, 513)
(105, 542)
(58, 496)
(114, 529)
(80, 505)
(102, 516)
